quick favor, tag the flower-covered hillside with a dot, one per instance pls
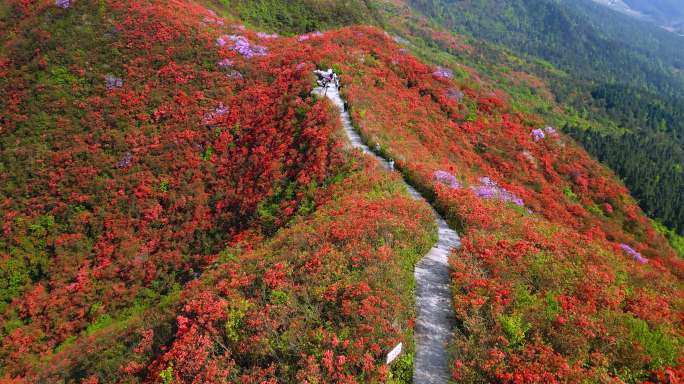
(617, 123)
(176, 207)
(546, 230)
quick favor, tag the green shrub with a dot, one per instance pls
(513, 328)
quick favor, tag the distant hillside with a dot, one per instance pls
(669, 13)
(563, 36)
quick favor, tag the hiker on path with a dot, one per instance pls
(377, 148)
(346, 107)
(391, 165)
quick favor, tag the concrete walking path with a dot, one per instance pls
(434, 304)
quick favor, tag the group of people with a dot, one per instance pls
(331, 79)
(328, 77)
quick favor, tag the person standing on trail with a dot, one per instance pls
(377, 148)
(391, 165)
(346, 107)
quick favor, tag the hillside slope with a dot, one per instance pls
(607, 111)
(539, 220)
(177, 207)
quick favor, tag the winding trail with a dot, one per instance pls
(435, 317)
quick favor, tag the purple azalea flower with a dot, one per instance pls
(300, 65)
(64, 4)
(487, 182)
(243, 47)
(220, 42)
(125, 160)
(235, 75)
(259, 50)
(636, 255)
(112, 82)
(490, 190)
(398, 39)
(537, 134)
(303, 37)
(551, 131)
(403, 51)
(220, 22)
(225, 63)
(221, 110)
(454, 94)
(447, 179)
(265, 35)
(443, 72)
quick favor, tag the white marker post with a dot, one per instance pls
(395, 352)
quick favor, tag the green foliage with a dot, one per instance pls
(402, 369)
(13, 324)
(522, 297)
(206, 155)
(63, 76)
(676, 241)
(302, 16)
(514, 328)
(662, 349)
(279, 297)
(164, 185)
(167, 375)
(94, 309)
(232, 326)
(101, 323)
(552, 307)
